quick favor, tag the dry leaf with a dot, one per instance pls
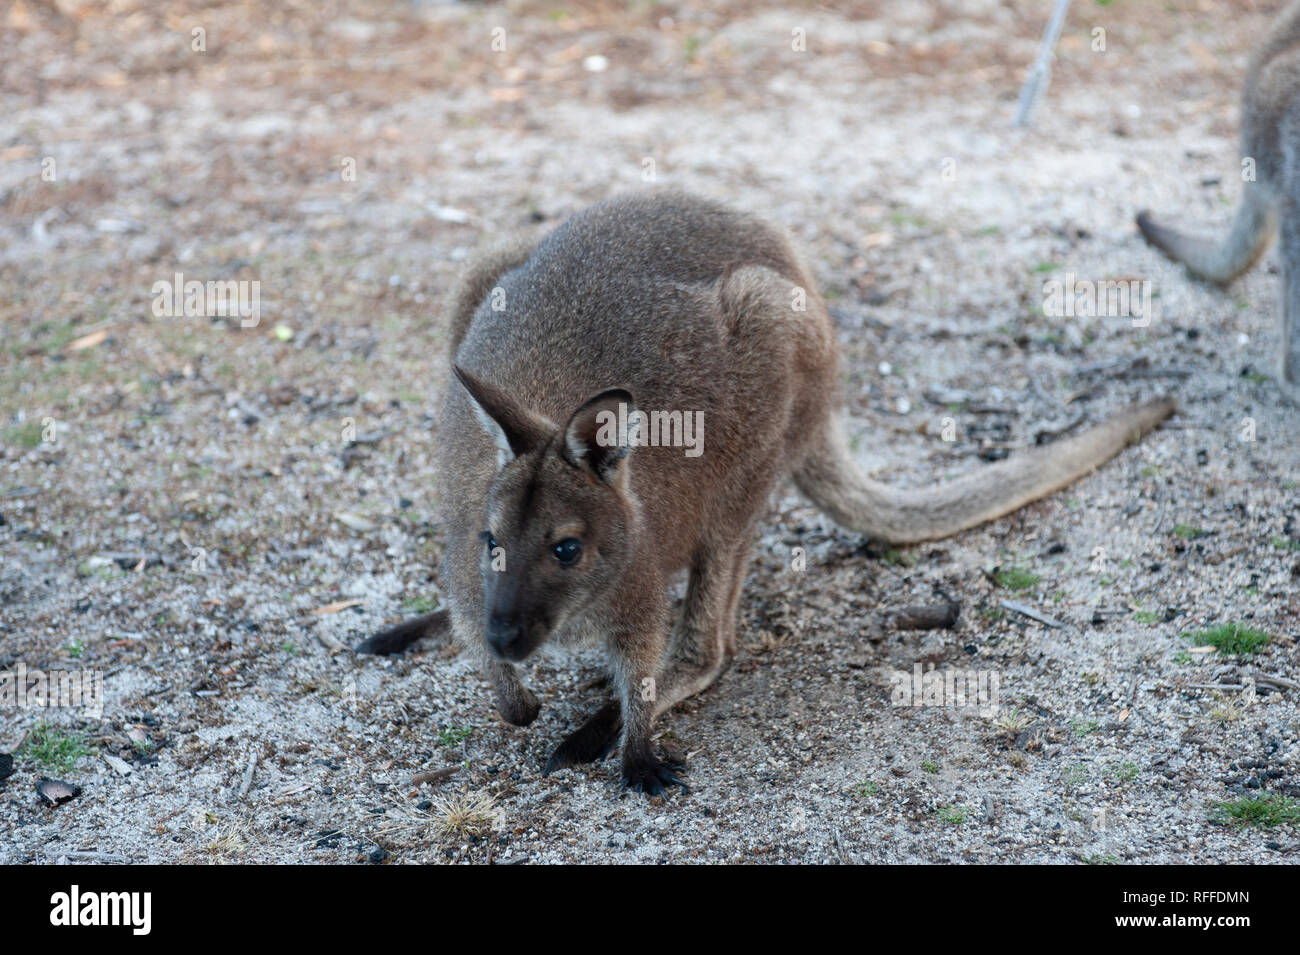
(335, 607)
(355, 522)
(88, 341)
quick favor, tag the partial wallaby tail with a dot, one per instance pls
(1252, 230)
(398, 638)
(835, 484)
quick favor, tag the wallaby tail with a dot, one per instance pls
(1252, 230)
(398, 638)
(833, 482)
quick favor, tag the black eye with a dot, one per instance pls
(491, 541)
(567, 551)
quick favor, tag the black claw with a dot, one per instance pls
(652, 778)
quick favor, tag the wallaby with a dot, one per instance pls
(1270, 149)
(560, 527)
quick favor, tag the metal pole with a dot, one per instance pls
(1041, 74)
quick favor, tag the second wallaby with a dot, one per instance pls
(1270, 152)
(565, 511)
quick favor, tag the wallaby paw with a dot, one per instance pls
(590, 743)
(386, 642)
(651, 775)
(519, 708)
(1290, 390)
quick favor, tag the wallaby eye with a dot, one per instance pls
(568, 551)
(491, 541)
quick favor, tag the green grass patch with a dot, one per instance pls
(1233, 638)
(953, 815)
(1267, 811)
(54, 749)
(1075, 775)
(27, 435)
(1083, 727)
(454, 737)
(1125, 772)
(421, 605)
(1016, 578)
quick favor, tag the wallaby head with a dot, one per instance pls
(560, 522)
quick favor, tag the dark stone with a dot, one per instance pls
(55, 792)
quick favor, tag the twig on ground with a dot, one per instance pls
(1031, 613)
(247, 784)
(434, 776)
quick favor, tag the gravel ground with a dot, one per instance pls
(209, 514)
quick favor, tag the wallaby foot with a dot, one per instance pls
(397, 638)
(590, 743)
(1288, 367)
(646, 773)
(515, 702)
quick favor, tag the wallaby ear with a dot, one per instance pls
(515, 429)
(601, 433)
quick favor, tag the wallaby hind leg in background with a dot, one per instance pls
(1270, 140)
(625, 397)
(1290, 244)
(1291, 297)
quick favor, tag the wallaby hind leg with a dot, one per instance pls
(1289, 360)
(705, 638)
(591, 742)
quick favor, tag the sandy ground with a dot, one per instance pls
(186, 503)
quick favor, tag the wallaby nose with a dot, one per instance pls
(503, 636)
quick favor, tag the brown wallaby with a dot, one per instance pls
(1270, 151)
(561, 527)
